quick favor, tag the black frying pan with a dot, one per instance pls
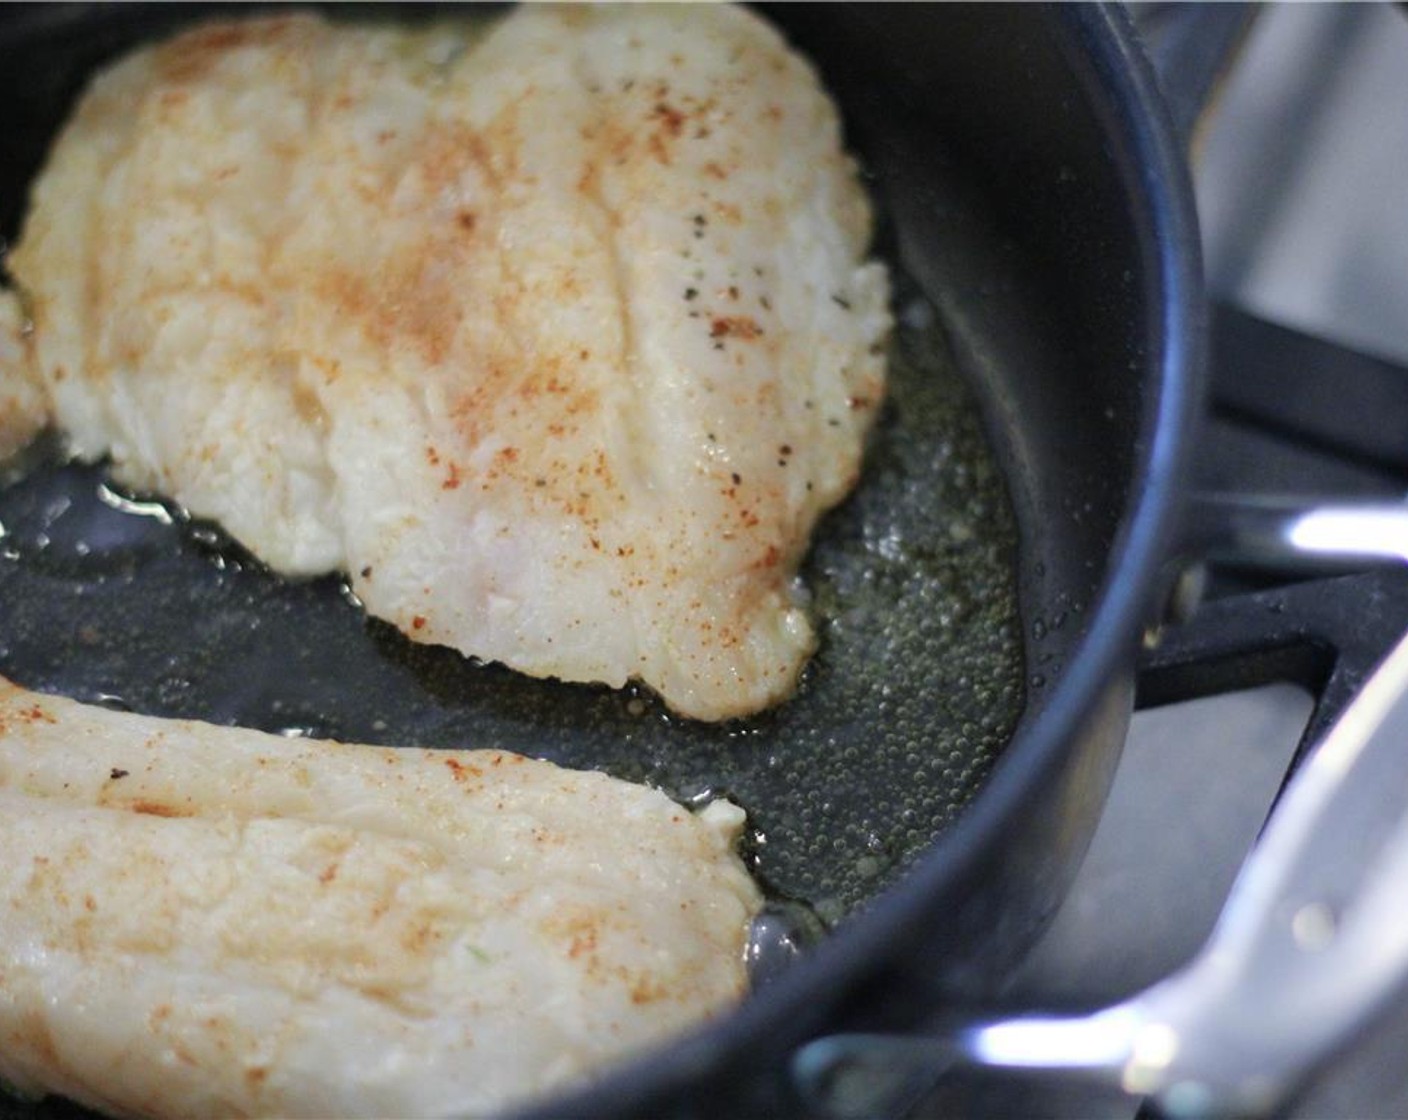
(933, 785)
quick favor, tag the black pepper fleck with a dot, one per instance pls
(115, 773)
(691, 293)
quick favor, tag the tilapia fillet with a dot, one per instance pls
(205, 921)
(557, 335)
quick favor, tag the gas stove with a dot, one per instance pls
(1298, 164)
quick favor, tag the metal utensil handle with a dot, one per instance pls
(1296, 533)
(1310, 945)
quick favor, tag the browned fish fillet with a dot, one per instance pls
(556, 335)
(206, 921)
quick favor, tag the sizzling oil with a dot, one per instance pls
(915, 689)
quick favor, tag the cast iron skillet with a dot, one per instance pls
(934, 785)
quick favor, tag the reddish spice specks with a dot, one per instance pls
(418, 622)
(658, 149)
(452, 480)
(466, 220)
(463, 771)
(582, 942)
(192, 55)
(158, 809)
(743, 327)
(646, 989)
(670, 117)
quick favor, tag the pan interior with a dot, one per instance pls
(120, 599)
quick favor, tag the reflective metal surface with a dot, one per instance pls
(1303, 535)
(1309, 948)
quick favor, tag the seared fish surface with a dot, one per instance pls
(555, 334)
(206, 921)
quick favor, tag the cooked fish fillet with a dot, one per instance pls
(205, 921)
(557, 336)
